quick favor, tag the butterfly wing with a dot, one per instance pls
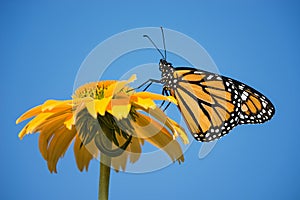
(212, 104)
(255, 107)
(209, 103)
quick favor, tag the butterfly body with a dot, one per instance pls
(212, 104)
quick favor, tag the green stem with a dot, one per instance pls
(105, 162)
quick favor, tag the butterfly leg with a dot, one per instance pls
(166, 106)
(147, 86)
(149, 82)
(165, 92)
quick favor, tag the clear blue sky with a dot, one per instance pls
(44, 43)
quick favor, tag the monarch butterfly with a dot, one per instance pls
(211, 104)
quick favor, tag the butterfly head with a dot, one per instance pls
(165, 66)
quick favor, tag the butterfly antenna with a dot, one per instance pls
(164, 41)
(154, 45)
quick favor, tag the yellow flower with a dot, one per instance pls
(106, 117)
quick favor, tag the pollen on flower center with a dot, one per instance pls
(94, 90)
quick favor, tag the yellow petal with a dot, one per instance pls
(135, 149)
(171, 124)
(70, 121)
(132, 78)
(121, 111)
(110, 90)
(118, 86)
(30, 113)
(145, 103)
(33, 124)
(120, 162)
(160, 137)
(57, 104)
(82, 155)
(37, 121)
(97, 106)
(154, 96)
(23, 132)
(58, 146)
(101, 105)
(49, 104)
(46, 134)
(51, 120)
(180, 131)
(91, 108)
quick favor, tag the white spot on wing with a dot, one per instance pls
(244, 97)
(210, 77)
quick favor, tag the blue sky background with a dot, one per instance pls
(43, 43)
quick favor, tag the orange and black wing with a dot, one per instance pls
(255, 107)
(212, 104)
(209, 103)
